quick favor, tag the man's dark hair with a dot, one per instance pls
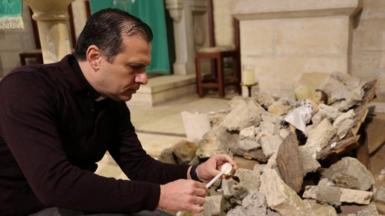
(106, 28)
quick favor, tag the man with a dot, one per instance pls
(58, 120)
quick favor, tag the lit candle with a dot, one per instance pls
(248, 77)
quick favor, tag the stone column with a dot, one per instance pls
(79, 11)
(189, 31)
(51, 17)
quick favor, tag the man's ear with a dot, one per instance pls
(94, 57)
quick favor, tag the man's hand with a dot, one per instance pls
(186, 195)
(209, 169)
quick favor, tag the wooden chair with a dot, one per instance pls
(225, 37)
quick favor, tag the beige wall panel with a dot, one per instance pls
(281, 50)
(368, 54)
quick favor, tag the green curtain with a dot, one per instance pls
(151, 12)
(11, 14)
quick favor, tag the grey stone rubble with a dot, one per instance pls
(309, 163)
(368, 211)
(245, 114)
(320, 136)
(181, 153)
(255, 129)
(216, 140)
(350, 173)
(281, 197)
(289, 163)
(335, 195)
(344, 123)
(380, 195)
(252, 204)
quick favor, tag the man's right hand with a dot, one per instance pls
(185, 195)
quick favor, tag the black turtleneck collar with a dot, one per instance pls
(85, 85)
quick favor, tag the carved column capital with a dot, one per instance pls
(44, 10)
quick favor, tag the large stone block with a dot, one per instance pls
(350, 173)
(289, 163)
(281, 197)
(245, 114)
(336, 196)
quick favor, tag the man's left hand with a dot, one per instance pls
(209, 169)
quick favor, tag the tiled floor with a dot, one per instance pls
(161, 126)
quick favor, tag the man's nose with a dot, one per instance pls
(141, 78)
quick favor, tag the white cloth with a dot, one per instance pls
(299, 117)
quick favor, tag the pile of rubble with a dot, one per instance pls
(286, 141)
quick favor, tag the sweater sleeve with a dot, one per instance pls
(134, 161)
(28, 125)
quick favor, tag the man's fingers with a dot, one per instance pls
(197, 208)
(199, 200)
(200, 192)
(196, 204)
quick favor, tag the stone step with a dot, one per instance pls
(164, 88)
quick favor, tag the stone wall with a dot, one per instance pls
(12, 42)
(368, 53)
(284, 39)
(281, 50)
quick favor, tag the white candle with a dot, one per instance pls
(248, 77)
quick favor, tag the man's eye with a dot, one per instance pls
(137, 67)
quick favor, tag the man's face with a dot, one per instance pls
(122, 77)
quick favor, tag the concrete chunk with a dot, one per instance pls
(320, 136)
(320, 210)
(281, 197)
(323, 194)
(380, 195)
(309, 163)
(256, 154)
(345, 195)
(289, 163)
(181, 153)
(280, 107)
(213, 206)
(214, 141)
(370, 210)
(270, 143)
(329, 112)
(342, 87)
(350, 173)
(237, 211)
(356, 196)
(228, 187)
(248, 179)
(344, 123)
(255, 204)
(264, 99)
(245, 114)
(247, 139)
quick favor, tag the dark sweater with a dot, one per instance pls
(52, 133)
